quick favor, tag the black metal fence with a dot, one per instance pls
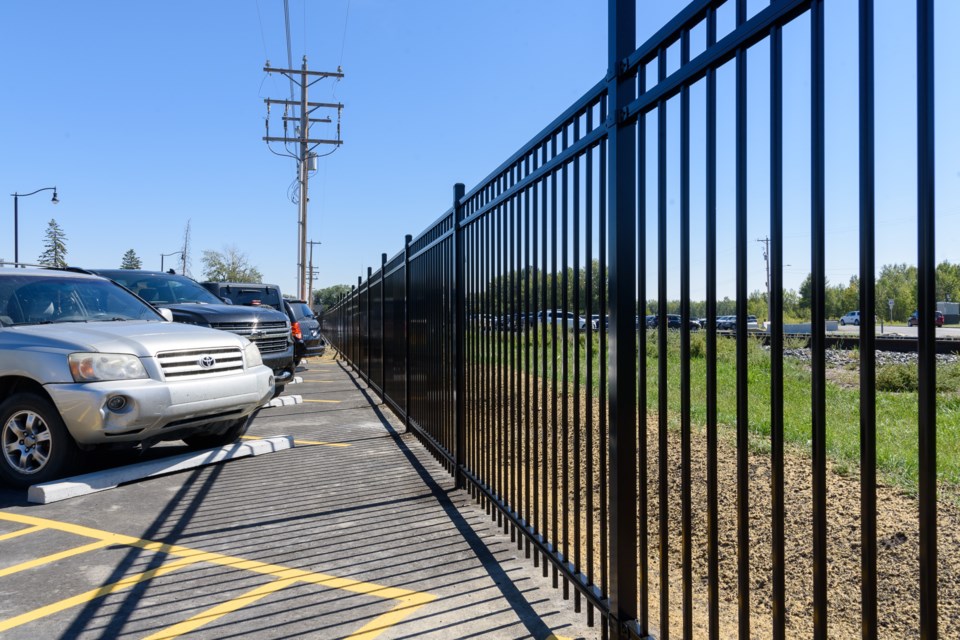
(509, 337)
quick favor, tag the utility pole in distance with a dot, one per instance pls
(765, 241)
(302, 78)
(310, 288)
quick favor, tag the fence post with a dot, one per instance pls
(369, 341)
(460, 420)
(622, 367)
(356, 323)
(383, 315)
(406, 330)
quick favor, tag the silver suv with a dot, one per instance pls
(86, 364)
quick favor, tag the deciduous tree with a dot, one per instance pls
(229, 265)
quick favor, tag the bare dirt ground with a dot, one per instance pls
(898, 564)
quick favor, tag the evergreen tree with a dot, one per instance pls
(54, 246)
(131, 261)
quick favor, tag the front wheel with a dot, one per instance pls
(231, 435)
(35, 445)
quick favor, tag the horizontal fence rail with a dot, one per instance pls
(517, 338)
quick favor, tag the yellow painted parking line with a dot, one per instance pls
(217, 612)
(325, 444)
(20, 532)
(93, 594)
(302, 442)
(407, 601)
(53, 557)
(323, 401)
(404, 608)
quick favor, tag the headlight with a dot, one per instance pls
(251, 354)
(101, 367)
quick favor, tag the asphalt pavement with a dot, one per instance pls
(355, 532)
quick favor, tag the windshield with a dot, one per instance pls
(302, 309)
(163, 288)
(252, 295)
(39, 299)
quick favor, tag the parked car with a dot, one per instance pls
(246, 293)
(674, 321)
(86, 364)
(560, 318)
(850, 317)
(729, 323)
(594, 322)
(914, 319)
(305, 328)
(190, 303)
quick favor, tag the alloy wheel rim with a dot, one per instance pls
(26, 442)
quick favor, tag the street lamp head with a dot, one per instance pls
(55, 199)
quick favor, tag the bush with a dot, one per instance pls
(698, 345)
(897, 378)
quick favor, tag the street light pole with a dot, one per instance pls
(16, 218)
(164, 255)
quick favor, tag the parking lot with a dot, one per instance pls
(355, 532)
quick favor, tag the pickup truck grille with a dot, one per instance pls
(270, 337)
(200, 362)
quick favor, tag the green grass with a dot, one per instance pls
(896, 411)
(896, 407)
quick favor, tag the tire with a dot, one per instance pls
(842, 323)
(856, 323)
(231, 435)
(35, 445)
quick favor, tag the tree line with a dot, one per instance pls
(507, 294)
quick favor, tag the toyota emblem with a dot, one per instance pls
(207, 362)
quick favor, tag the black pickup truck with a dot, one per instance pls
(307, 340)
(268, 328)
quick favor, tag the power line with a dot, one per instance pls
(286, 20)
(343, 41)
(304, 78)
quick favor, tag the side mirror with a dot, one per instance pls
(227, 300)
(166, 313)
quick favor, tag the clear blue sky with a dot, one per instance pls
(147, 115)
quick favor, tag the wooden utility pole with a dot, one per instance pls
(302, 78)
(310, 288)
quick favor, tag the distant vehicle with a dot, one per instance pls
(674, 321)
(729, 323)
(560, 318)
(85, 364)
(850, 317)
(914, 319)
(245, 293)
(594, 322)
(726, 323)
(305, 328)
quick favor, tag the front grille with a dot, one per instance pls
(246, 328)
(200, 362)
(271, 345)
(270, 337)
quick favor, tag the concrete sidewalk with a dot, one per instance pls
(355, 532)
(391, 516)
